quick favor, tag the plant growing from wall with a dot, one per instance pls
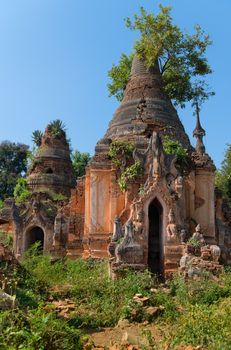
(21, 192)
(120, 152)
(57, 128)
(130, 173)
(175, 148)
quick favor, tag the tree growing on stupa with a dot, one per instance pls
(180, 56)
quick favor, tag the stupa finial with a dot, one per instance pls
(199, 133)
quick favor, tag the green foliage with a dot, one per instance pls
(1, 204)
(13, 164)
(205, 327)
(57, 128)
(181, 57)
(120, 151)
(119, 76)
(87, 283)
(37, 137)
(130, 173)
(6, 239)
(79, 162)
(193, 242)
(36, 329)
(56, 197)
(21, 192)
(195, 313)
(175, 148)
(223, 175)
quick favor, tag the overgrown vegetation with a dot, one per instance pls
(37, 137)
(223, 176)
(13, 165)
(181, 57)
(79, 162)
(57, 128)
(175, 148)
(6, 239)
(21, 191)
(120, 153)
(195, 313)
(130, 173)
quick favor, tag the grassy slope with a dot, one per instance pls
(198, 313)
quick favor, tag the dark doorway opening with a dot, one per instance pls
(155, 258)
(49, 171)
(34, 235)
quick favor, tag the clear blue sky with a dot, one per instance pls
(55, 55)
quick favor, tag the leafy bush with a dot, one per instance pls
(130, 173)
(120, 151)
(36, 329)
(6, 239)
(208, 327)
(21, 192)
(175, 148)
(193, 242)
(79, 162)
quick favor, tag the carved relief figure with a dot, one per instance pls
(60, 229)
(198, 236)
(172, 231)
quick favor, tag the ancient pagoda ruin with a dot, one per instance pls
(137, 206)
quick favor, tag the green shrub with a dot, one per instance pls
(36, 330)
(208, 327)
(175, 148)
(6, 239)
(130, 173)
(21, 192)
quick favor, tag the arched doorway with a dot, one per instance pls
(155, 244)
(35, 234)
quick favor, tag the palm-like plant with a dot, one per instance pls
(37, 137)
(57, 128)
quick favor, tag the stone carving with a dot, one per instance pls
(183, 235)
(129, 251)
(172, 230)
(179, 185)
(60, 229)
(35, 206)
(117, 232)
(198, 236)
(156, 150)
(215, 252)
(192, 266)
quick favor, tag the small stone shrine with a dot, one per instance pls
(138, 210)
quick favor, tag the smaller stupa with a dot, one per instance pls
(52, 168)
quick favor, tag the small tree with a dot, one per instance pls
(21, 191)
(37, 137)
(181, 57)
(13, 164)
(223, 176)
(79, 162)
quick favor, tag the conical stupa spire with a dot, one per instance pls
(199, 133)
(145, 108)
